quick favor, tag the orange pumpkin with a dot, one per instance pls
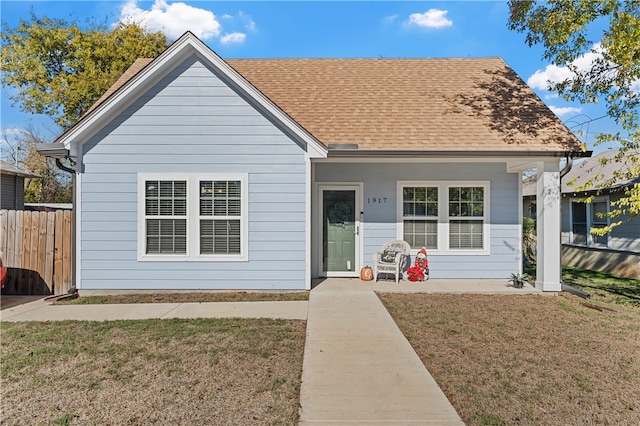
(366, 273)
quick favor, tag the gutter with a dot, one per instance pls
(374, 153)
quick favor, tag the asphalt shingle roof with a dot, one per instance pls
(596, 170)
(477, 104)
(470, 104)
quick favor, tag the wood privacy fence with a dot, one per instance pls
(36, 248)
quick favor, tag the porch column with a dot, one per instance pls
(548, 226)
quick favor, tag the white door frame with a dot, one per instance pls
(358, 188)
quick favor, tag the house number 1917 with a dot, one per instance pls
(377, 200)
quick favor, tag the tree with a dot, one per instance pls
(53, 185)
(61, 70)
(563, 27)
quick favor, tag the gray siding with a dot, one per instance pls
(380, 181)
(192, 122)
(11, 192)
(625, 237)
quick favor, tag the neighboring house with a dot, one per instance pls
(198, 173)
(617, 252)
(12, 186)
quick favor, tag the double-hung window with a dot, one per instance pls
(420, 216)
(192, 217)
(165, 207)
(444, 217)
(220, 216)
(585, 216)
(466, 217)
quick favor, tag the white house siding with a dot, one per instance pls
(192, 122)
(380, 219)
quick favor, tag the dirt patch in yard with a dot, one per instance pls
(527, 360)
(194, 297)
(200, 371)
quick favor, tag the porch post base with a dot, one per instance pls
(549, 286)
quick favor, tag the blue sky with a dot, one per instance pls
(270, 29)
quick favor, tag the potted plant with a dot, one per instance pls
(415, 273)
(518, 280)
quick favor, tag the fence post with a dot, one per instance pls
(49, 250)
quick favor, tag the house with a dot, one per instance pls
(194, 172)
(618, 252)
(12, 186)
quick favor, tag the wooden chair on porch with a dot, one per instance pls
(391, 259)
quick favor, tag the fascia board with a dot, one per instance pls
(178, 51)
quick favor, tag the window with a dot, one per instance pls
(420, 216)
(443, 217)
(192, 217)
(166, 216)
(222, 201)
(584, 217)
(466, 202)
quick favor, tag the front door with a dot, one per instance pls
(340, 231)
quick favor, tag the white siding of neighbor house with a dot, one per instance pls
(192, 122)
(380, 219)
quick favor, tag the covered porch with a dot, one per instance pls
(434, 285)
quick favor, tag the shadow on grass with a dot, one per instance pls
(625, 288)
(619, 290)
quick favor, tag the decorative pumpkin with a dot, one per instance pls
(366, 273)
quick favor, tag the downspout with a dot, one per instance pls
(64, 168)
(566, 169)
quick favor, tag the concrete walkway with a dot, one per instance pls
(359, 369)
(42, 310)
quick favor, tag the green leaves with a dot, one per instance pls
(613, 77)
(60, 69)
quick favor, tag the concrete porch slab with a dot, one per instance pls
(455, 286)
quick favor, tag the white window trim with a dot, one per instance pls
(589, 209)
(443, 216)
(193, 218)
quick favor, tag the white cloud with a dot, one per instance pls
(552, 74)
(635, 87)
(9, 133)
(233, 38)
(564, 111)
(172, 19)
(432, 18)
(249, 24)
(390, 18)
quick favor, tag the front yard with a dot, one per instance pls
(532, 360)
(205, 371)
(501, 360)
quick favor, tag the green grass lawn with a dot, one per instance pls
(603, 287)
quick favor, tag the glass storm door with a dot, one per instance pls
(340, 231)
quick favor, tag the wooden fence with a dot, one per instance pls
(37, 249)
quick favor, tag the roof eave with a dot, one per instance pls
(346, 153)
